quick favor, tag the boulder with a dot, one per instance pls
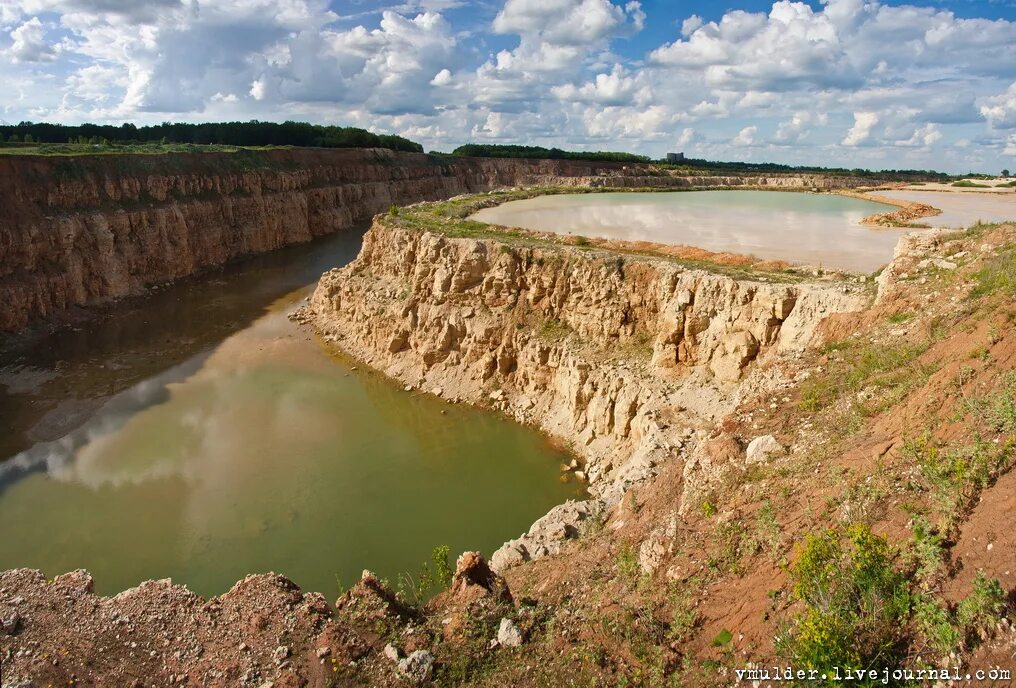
(762, 448)
(508, 634)
(418, 666)
(735, 352)
(473, 575)
(11, 624)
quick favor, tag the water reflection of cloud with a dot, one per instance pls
(249, 404)
(22, 379)
(795, 227)
(58, 457)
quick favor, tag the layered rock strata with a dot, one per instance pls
(80, 230)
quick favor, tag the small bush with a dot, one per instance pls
(935, 626)
(997, 410)
(443, 571)
(978, 613)
(628, 565)
(684, 618)
(767, 538)
(857, 603)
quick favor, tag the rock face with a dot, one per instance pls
(596, 349)
(80, 230)
(911, 251)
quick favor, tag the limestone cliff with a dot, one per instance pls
(80, 230)
(621, 357)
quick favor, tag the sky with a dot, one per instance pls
(851, 83)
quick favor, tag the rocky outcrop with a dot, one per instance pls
(80, 230)
(618, 357)
(911, 250)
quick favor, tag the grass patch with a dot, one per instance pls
(954, 477)
(767, 537)
(734, 543)
(998, 275)
(997, 410)
(860, 364)
(628, 568)
(967, 184)
(553, 330)
(683, 616)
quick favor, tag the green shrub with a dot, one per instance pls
(443, 571)
(628, 565)
(935, 625)
(857, 603)
(979, 611)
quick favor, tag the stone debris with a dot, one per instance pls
(546, 536)
(940, 263)
(508, 634)
(11, 624)
(417, 666)
(762, 448)
(658, 545)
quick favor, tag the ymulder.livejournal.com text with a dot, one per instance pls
(884, 675)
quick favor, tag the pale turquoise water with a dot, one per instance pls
(255, 451)
(813, 229)
(961, 209)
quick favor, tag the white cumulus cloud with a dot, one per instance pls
(860, 133)
(30, 44)
(746, 137)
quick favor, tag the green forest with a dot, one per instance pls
(475, 150)
(252, 133)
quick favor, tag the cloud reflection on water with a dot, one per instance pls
(802, 228)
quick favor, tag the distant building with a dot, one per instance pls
(675, 157)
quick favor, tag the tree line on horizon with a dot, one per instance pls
(252, 133)
(811, 169)
(477, 150)
(304, 134)
(540, 153)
